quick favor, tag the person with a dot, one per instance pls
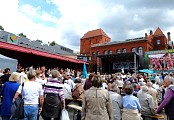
(120, 83)
(146, 102)
(39, 79)
(44, 74)
(153, 92)
(116, 102)
(168, 102)
(88, 83)
(67, 92)
(78, 91)
(131, 105)
(54, 99)
(33, 97)
(8, 92)
(1, 72)
(97, 103)
(5, 78)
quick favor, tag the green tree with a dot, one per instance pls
(39, 40)
(52, 43)
(1, 28)
(22, 35)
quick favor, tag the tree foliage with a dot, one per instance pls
(39, 40)
(22, 35)
(52, 43)
(1, 28)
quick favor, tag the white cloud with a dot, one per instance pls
(119, 21)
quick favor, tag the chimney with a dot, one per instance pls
(168, 35)
(146, 35)
(151, 32)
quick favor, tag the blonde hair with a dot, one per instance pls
(15, 76)
(97, 81)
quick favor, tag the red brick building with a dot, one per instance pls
(102, 54)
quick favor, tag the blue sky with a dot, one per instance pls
(66, 21)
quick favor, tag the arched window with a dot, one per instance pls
(98, 53)
(93, 55)
(140, 50)
(124, 50)
(118, 51)
(110, 51)
(133, 49)
(105, 52)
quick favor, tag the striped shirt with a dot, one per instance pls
(54, 86)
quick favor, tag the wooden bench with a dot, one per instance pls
(155, 117)
(72, 99)
(76, 108)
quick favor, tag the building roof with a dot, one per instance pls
(94, 33)
(158, 32)
(120, 42)
(25, 42)
(27, 50)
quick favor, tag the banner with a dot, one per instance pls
(160, 60)
(121, 65)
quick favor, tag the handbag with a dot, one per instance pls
(78, 92)
(17, 108)
(64, 115)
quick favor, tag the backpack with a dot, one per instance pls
(78, 92)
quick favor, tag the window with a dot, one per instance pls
(140, 50)
(98, 53)
(118, 51)
(105, 52)
(93, 55)
(110, 51)
(158, 42)
(124, 50)
(133, 49)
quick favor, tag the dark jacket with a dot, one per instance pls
(168, 102)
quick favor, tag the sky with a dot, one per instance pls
(66, 21)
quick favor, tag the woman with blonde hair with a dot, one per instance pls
(97, 103)
(33, 96)
(8, 92)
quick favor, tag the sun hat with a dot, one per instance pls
(15, 76)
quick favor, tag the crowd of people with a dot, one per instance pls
(104, 96)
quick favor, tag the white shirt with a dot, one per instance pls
(71, 84)
(31, 92)
(120, 83)
(1, 74)
(67, 91)
(40, 81)
(104, 86)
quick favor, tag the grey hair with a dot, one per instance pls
(54, 73)
(145, 88)
(113, 87)
(169, 78)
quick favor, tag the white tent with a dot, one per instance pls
(6, 62)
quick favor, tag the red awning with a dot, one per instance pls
(14, 47)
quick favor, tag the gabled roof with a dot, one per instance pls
(158, 32)
(94, 33)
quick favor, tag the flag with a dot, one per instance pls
(84, 75)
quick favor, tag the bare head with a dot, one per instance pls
(149, 84)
